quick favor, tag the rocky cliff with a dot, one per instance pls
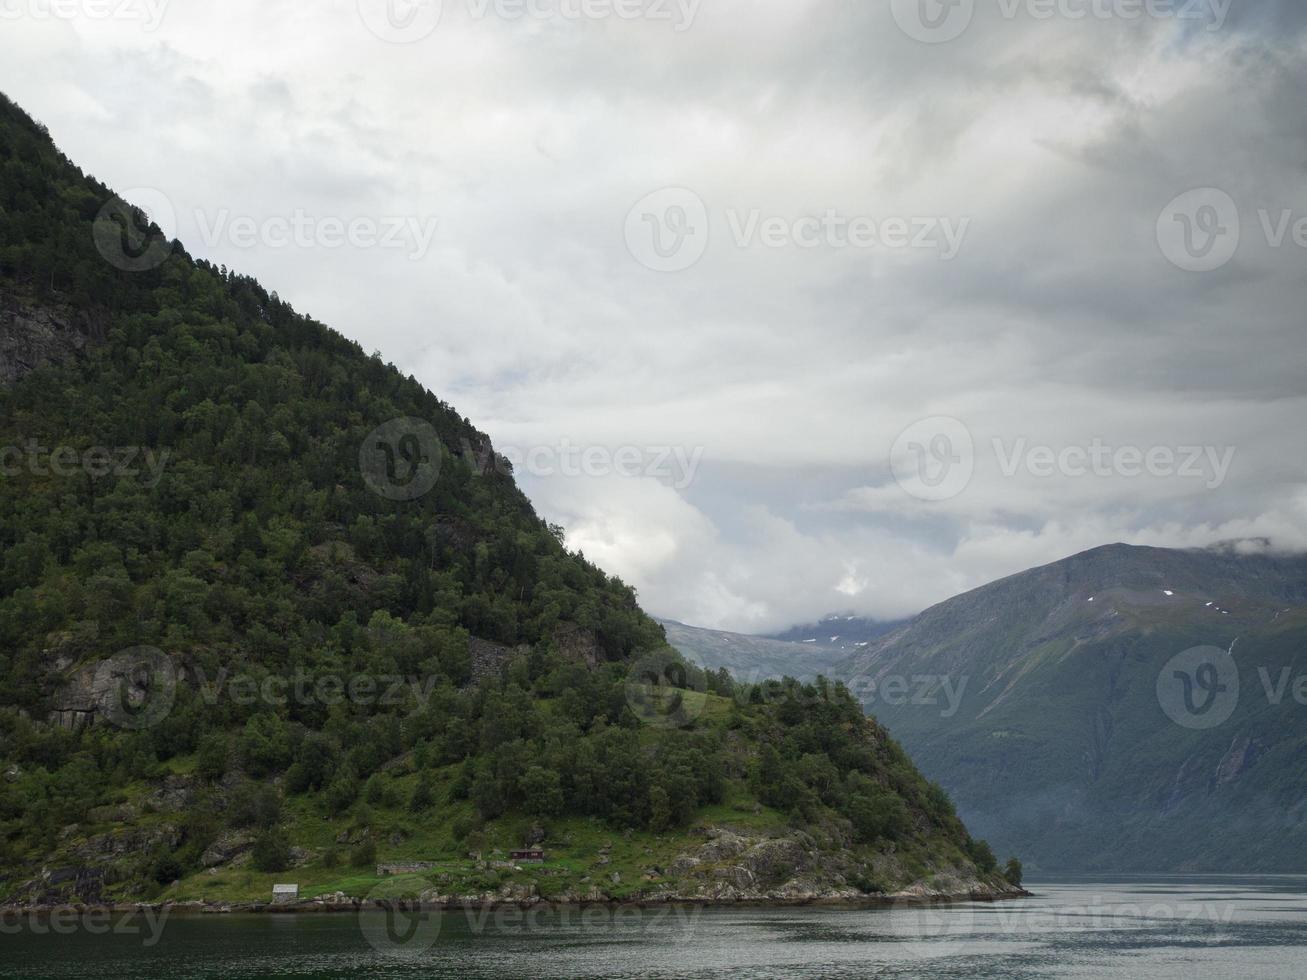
(33, 335)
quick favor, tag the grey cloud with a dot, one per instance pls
(793, 370)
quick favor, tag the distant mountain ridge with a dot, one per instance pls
(802, 652)
(751, 659)
(839, 632)
(1046, 703)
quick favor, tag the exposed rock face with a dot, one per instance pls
(79, 702)
(773, 860)
(103, 847)
(129, 689)
(733, 866)
(62, 885)
(227, 848)
(175, 793)
(481, 456)
(32, 336)
(684, 865)
(722, 846)
(125, 813)
(487, 657)
(741, 878)
(578, 643)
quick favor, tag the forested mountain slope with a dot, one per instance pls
(269, 609)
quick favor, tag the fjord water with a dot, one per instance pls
(1154, 928)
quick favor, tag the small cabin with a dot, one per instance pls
(284, 894)
(530, 855)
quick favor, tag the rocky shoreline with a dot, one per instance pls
(835, 900)
(727, 869)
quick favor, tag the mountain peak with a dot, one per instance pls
(1046, 712)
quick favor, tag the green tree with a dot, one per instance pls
(422, 797)
(980, 852)
(264, 745)
(211, 756)
(879, 816)
(364, 854)
(271, 851)
(542, 790)
(1013, 872)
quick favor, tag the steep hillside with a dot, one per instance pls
(269, 611)
(1052, 707)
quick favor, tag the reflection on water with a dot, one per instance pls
(1153, 928)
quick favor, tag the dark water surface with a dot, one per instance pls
(1154, 928)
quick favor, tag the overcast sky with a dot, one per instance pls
(899, 286)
